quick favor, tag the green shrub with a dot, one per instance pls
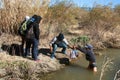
(80, 40)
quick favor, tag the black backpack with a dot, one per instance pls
(24, 27)
(30, 32)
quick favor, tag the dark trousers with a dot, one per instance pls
(22, 46)
(34, 44)
(61, 45)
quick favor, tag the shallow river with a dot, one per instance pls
(78, 71)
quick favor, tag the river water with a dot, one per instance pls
(107, 65)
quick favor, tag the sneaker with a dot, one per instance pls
(38, 60)
(66, 54)
(52, 57)
(29, 54)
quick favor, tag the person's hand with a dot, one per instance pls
(70, 46)
(78, 46)
(50, 48)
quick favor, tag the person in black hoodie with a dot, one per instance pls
(32, 37)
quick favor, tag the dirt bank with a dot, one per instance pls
(17, 67)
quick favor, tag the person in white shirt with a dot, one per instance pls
(58, 41)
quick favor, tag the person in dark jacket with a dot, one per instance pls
(33, 39)
(88, 51)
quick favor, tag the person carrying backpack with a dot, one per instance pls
(32, 37)
(58, 41)
(21, 35)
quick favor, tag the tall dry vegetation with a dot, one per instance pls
(99, 21)
(56, 17)
(59, 16)
(15, 11)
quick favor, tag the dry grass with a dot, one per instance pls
(15, 11)
(60, 17)
(105, 66)
(117, 75)
(26, 69)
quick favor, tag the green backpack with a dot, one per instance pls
(23, 28)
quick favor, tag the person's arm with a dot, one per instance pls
(52, 42)
(81, 49)
(36, 31)
(76, 53)
(69, 46)
(51, 48)
(66, 42)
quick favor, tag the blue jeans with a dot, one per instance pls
(61, 45)
(34, 43)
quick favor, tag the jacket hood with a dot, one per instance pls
(89, 46)
(60, 37)
(37, 18)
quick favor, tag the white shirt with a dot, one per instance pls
(55, 40)
(73, 54)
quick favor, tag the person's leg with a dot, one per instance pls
(95, 69)
(54, 50)
(64, 46)
(22, 46)
(27, 50)
(35, 49)
(92, 65)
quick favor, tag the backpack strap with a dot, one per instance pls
(24, 26)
